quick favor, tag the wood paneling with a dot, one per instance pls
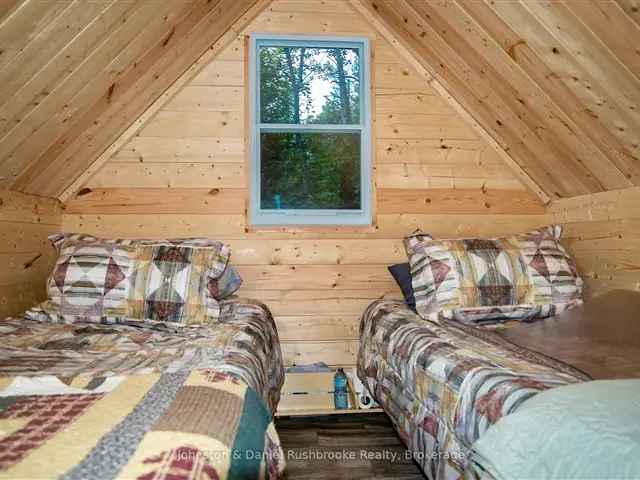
(397, 78)
(207, 98)
(15, 207)
(168, 175)
(404, 200)
(210, 201)
(531, 101)
(335, 353)
(160, 226)
(155, 72)
(458, 225)
(546, 74)
(181, 150)
(316, 327)
(348, 304)
(554, 87)
(23, 23)
(26, 255)
(602, 231)
(30, 94)
(422, 126)
(328, 251)
(445, 176)
(194, 123)
(549, 82)
(224, 73)
(220, 201)
(234, 227)
(60, 100)
(316, 281)
(316, 277)
(77, 74)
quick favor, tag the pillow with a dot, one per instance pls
(169, 281)
(225, 285)
(402, 275)
(473, 280)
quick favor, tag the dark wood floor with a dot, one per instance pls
(350, 447)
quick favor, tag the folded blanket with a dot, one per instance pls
(588, 430)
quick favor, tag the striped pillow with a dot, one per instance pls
(474, 280)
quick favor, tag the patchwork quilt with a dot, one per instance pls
(88, 400)
(444, 384)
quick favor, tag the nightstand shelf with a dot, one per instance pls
(325, 411)
(311, 393)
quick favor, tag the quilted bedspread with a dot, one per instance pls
(121, 401)
(444, 384)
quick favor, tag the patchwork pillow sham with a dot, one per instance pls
(226, 284)
(175, 282)
(520, 277)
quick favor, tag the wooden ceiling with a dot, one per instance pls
(554, 86)
(76, 73)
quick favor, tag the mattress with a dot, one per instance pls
(121, 401)
(604, 349)
(444, 384)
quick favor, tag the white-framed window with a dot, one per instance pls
(310, 141)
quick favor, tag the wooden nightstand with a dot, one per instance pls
(311, 393)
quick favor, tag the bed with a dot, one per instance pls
(557, 433)
(125, 401)
(601, 337)
(444, 384)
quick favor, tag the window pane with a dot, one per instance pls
(303, 85)
(310, 171)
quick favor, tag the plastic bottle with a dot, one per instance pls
(340, 397)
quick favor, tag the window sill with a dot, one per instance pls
(337, 229)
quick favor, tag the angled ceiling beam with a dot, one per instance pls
(133, 93)
(422, 57)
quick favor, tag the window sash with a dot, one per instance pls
(315, 128)
(259, 216)
(308, 211)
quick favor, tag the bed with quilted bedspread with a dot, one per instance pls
(444, 384)
(146, 402)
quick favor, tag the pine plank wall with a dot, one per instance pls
(602, 231)
(185, 175)
(26, 257)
